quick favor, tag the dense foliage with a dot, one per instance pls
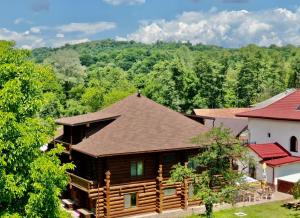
(28, 176)
(179, 75)
(211, 171)
(296, 190)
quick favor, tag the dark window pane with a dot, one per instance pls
(169, 191)
(140, 168)
(133, 168)
(133, 199)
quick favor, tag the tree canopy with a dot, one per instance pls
(212, 173)
(179, 75)
(25, 171)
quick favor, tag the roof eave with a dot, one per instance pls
(140, 152)
(87, 122)
(268, 118)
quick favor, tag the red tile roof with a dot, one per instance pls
(282, 161)
(283, 109)
(270, 150)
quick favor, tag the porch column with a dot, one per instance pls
(184, 192)
(107, 195)
(159, 190)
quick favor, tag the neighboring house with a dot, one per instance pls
(223, 117)
(274, 131)
(123, 156)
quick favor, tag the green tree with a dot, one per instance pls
(93, 98)
(296, 190)
(68, 68)
(294, 80)
(23, 133)
(165, 84)
(211, 79)
(217, 182)
(250, 79)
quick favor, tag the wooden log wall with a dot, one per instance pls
(120, 168)
(191, 201)
(172, 201)
(150, 195)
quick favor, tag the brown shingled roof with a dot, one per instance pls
(237, 126)
(143, 126)
(86, 118)
(220, 112)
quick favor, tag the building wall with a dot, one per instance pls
(279, 171)
(258, 166)
(281, 131)
(285, 170)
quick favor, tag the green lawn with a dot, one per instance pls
(272, 210)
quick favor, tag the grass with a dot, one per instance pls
(272, 210)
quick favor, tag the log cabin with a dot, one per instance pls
(123, 156)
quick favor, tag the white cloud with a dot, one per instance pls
(87, 28)
(35, 29)
(125, 2)
(226, 28)
(23, 39)
(22, 20)
(60, 35)
(39, 36)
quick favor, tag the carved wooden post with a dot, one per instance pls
(98, 202)
(184, 192)
(107, 194)
(159, 191)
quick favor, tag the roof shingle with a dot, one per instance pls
(281, 161)
(270, 150)
(220, 112)
(142, 126)
(283, 109)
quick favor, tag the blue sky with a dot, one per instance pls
(229, 23)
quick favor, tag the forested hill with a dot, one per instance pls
(182, 76)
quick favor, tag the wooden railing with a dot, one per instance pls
(82, 183)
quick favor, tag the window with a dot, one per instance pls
(293, 144)
(136, 168)
(252, 171)
(192, 163)
(191, 191)
(130, 200)
(269, 134)
(169, 191)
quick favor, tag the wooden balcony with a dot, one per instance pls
(82, 183)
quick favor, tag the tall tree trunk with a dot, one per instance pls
(209, 210)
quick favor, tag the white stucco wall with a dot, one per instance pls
(258, 166)
(279, 171)
(281, 131)
(285, 170)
